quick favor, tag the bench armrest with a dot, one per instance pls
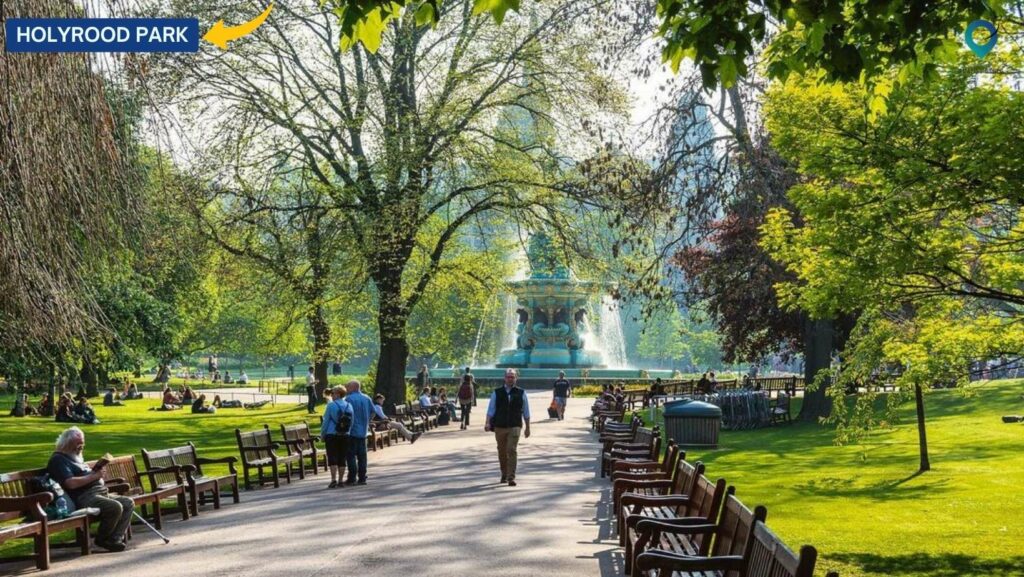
(121, 488)
(640, 501)
(631, 478)
(667, 563)
(270, 447)
(646, 466)
(30, 503)
(701, 527)
(220, 460)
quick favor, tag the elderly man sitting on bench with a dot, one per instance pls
(379, 416)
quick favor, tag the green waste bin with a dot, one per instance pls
(693, 423)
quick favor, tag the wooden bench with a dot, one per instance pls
(627, 475)
(123, 477)
(634, 399)
(199, 483)
(701, 505)
(300, 441)
(30, 523)
(729, 535)
(16, 486)
(682, 482)
(410, 419)
(645, 446)
(764, 556)
(258, 452)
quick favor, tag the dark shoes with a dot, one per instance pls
(332, 485)
(504, 479)
(112, 546)
(363, 482)
(511, 482)
(414, 437)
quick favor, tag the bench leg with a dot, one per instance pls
(158, 517)
(42, 551)
(216, 495)
(234, 489)
(183, 504)
(196, 499)
(245, 475)
(82, 536)
(302, 469)
(277, 478)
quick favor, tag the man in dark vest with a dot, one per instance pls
(508, 415)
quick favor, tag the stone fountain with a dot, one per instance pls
(552, 308)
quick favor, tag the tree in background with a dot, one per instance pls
(388, 143)
(910, 214)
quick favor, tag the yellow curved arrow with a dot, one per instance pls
(220, 34)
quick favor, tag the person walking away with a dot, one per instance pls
(466, 398)
(311, 399)
(334, 431)
(472, 381)
(362, 413)
(86, 488)
(508, 415)
(562, 391)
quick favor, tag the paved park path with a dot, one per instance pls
(433, 508)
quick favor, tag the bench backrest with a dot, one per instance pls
(768, 556)
(252, 444)
(686, 476)
(705, 502)
(735, 527)
(297, 432)
(122, 467)
(16, 484)
(180, 456)
(668, 463)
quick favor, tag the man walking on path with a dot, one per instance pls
(362, 414)
(563, 390)
(311, 392)
(508, 414)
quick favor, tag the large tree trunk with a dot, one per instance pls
(321, 348)
(922, 438)
(817, 355)
(392, 319)
(89, 377)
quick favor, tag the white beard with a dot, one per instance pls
(77, 457)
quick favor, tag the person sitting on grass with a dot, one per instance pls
(227, 378)
(64, 413)
(243, 379)
(109, 399)
(85, 413)
(380, 417)
(216, 401)
(170, 401)
(199, 406)
(132, 393)
(45, 408)
(187, 396)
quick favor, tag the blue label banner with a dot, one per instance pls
(102, 34)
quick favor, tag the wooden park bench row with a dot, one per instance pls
(296, 450)
(672, 520)
(172, 474)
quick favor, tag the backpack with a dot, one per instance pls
(466, 392)
(61, 507)
(343, 424)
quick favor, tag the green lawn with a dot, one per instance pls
(861, 506)
(864, 508)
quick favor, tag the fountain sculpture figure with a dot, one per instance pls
(552, 313)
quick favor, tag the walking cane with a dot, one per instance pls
(151, 528)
